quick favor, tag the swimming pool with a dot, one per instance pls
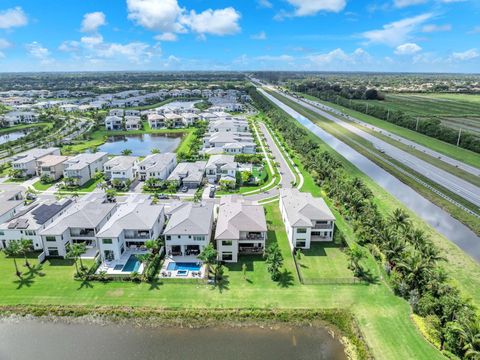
(183, 266)
(132, 264)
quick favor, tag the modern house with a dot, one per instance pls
(11, 201)
(79, 224)
(156, 121)
(221, 167)
(190, 118)
(28, 222)
(129, 228)
(241, 228)
(189, 174)
(133, 122)
(307, 219)
(20, 117)
(189, 229)
(113, 122)
(158, 166)
(116, 112)
(82, 168)
(132, 112)
(27, 161)
(229, 142)
(121, 168)
(173, 120)
(223, 125)
(52, 166)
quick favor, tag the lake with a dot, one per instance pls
(142, 145)
(25, 339)
(14, 135)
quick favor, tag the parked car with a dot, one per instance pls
(212, 192)
(184, 189)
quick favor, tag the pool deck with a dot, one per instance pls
(165, 273)
(109, 266)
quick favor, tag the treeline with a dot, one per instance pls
(431, 127)
(410, 258)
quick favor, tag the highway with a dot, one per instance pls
(453, 183)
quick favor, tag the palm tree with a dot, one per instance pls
(126, 152)
(13, 250)
(415, 268)
(25, 246)
(274, 260)
(469, 332)
(208, 256)
(152, 245)
(74, 252)
(400, 220)
(155, 151)
(111, 195)
(355, 255)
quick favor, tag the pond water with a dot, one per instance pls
(141, 145)
(14, 135)
(438, 218)
(32, 339)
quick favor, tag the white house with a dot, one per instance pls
(27, 162)
(156, 121)
(116, 112)
(190, 118)
(113, 122)
(20, 117)
(189, 174)
(307, 219)
(221, 167)
(83, 167)
(158, 166)
(121, 168)
(241, 228)
(79, 224)
(52, 166)
(189, 229)
(133, 122)
(223, 125)
(28, 223)
(132, 112)
(130, 227)
(11, 201)
(229, 142)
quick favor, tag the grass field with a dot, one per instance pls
(469, 157)
(383, 317)
(454, 110)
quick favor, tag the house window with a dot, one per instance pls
(107, 241)
(168, 237)
(301, 231)
(53, 251)
(30, 232)
(227, 256)
(50, 238)
(2, 233)
(199, 238)
(301, 243)
(227, 242)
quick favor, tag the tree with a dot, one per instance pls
(469, 333)
(25, 246)
(400, 220)
(155, 151)
(46, 179)
(13, 250)
(208, 256)
(245, 176)
(153, 246)
(126, 152)
(172, 186)
(74, 252)
(355, 255)
(274, 260)
(111, 195)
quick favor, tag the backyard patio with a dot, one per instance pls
(127, 264)
(183, 267)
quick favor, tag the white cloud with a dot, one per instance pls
(265, 4)
(466, 55)
(407, 49)
(217, 22)
(311, 7)
(405, 3)
(14, 17)
(92, 21)
(92, 40)
(340, 56)
(260, 36)
(168, 36)
(136, 52)
(4, 44)
(39, 52)
(396, 33)
(436, 28)
(286, 58)
(159, 15)
(69, 46)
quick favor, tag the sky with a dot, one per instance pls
(310, 35)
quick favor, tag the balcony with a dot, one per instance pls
(322, 227)
(82, 233)
(252, 236)
(143, 236)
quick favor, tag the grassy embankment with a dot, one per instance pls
(469, 157)
(383, 318)
(367, 149)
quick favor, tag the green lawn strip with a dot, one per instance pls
(383, 318)
(40, 186)
(467, 156)
(353, 140)
(464, 271)
(324, 260)
(88, 187)
(24, 127)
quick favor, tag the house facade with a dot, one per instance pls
(158, 166)
(189, 174)
(26, 162)
(51, 166)
(307, 219)
(121, 168)
(221, 167)
(113, 122)
(82, 168)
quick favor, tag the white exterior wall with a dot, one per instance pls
(28, 167)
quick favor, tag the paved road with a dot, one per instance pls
(451, 161)
(449, 181)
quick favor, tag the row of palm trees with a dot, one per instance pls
(19, 248)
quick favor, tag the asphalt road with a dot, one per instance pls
(451, 182)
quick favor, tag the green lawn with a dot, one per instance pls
(324, 260)
(152, 106)
(24, 127)
(383, 317)
(41, 186)
(464, 155)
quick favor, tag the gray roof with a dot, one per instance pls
(120, 163)
(85, 213)
(33, 154)
(7, 197)
(302, 208)
(131, 216)
(82, 160)
(236, 215)
(186, 171)
(221, 160)
(157, 161)
(190, 219)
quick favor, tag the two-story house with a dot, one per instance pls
(11, 200)
(120, 167)
(307, 219)
(221, 167)
(133, 123)
(113, 123)
(26, 162)
(189, 174)
(241, 228)
(51, 166)
(156, 121)
(82, 168)
(157, 166)
(189, 229)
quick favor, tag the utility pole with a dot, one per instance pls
(459, 134)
